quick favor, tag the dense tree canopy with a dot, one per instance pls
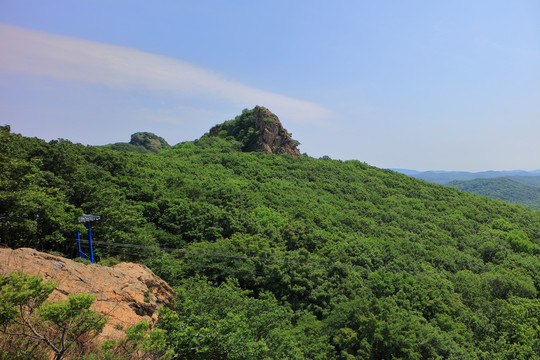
(279, 257)
(523, 190)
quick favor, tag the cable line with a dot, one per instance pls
(255, 258)
(230, 256)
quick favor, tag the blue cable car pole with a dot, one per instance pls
(91, 248)
(79, 241)
(87, 219)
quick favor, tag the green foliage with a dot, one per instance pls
(73, 315)
(21, 292)
(529, 180)
(224, 322)
(519, 241)
(241, 129)
(149, 141)
(139, 343)
(141, 142)
(514, 191)
(282, 257)
(127, 147)
(60, 325)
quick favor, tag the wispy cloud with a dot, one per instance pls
(32, 52)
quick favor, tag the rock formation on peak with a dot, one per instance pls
(141, 142)
(274, 138)
(127, 292)
(258, 130)
(149, 141)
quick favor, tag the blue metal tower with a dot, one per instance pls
(87, 219)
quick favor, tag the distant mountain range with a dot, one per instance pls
(516, 187)
(443, 177)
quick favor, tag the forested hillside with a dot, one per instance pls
(444, 177)
(289, 258)
(529, 180)
(506, 189)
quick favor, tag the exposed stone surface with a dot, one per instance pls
(127, 292)
(272, 137)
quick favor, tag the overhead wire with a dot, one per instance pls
(221, 255)
(245, 257)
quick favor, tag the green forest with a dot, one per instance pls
(524, 190)
(275, 257)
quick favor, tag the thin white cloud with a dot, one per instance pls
(37, 53)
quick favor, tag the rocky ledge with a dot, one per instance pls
(127, 292)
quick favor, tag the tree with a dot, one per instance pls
(140, 343)
(24, 312)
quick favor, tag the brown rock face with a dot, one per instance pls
(268, 135)
(274, 139)
(127, 293)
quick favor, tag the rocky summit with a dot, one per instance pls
(258, 130)
(149, 141)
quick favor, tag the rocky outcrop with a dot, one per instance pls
(258, 130)
(127, 292)
(149, 141)
(274, 139)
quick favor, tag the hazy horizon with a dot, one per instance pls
(416, 85)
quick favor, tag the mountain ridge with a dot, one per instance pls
(282, 257)
(442, 176)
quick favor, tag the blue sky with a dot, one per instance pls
(426, 85)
